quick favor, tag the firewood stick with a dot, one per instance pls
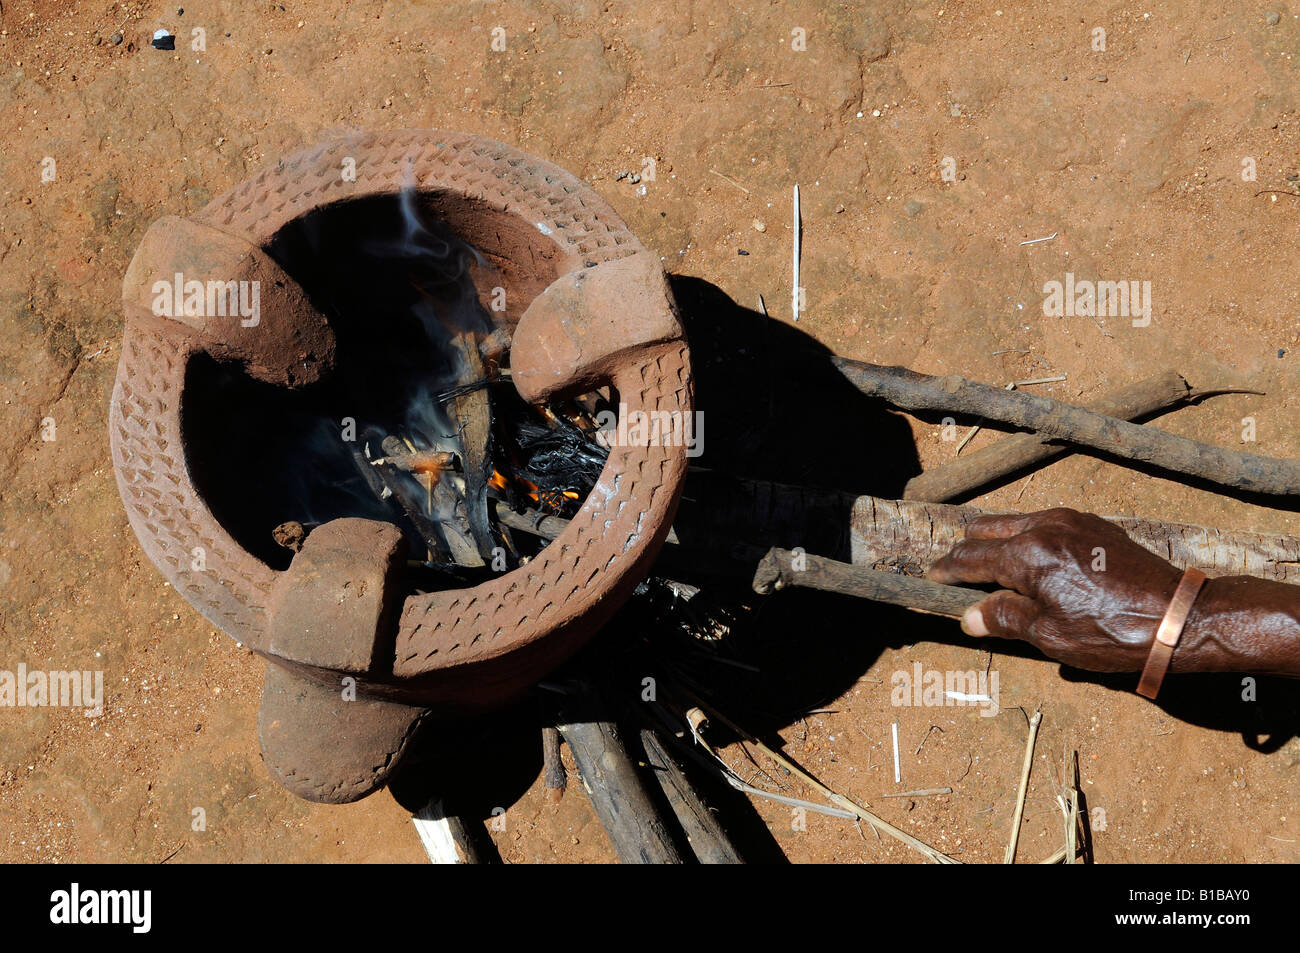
(449, 838)
(530, 521)
(708, 840)
(388, 484)
(781, 568)
(414, 509)
(638, 831)
(909, 535)
(909, 390)
(1012, 454)
(554, 777)
(538, 523)
(472, 415)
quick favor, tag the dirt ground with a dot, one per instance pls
(1132, 156)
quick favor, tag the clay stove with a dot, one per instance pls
(586, 306)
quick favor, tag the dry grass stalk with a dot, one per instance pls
(1034, 722)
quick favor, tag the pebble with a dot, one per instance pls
(634, 178)
(741, 251)
(115, 39)
(1272, 18)
(760, 225)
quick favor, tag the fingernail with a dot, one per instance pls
(972, 622)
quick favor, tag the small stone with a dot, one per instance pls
(741, 251)
(1272, 18)
(634, 177)
(162, 40)
(115, 39)
(913, 208)
(875, 112)
(1100, 77)
(839, 208)
(1281, 353)
(760, 225)
(955, 111)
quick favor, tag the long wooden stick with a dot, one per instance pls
(907, 536)
(1012, 454)
(1034, 722)
(909, 390)
(781, 568)
(709, 842)
(639, 832)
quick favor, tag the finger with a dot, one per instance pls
(1003, 615)
(975, 560)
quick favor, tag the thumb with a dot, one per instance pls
(1003, 615)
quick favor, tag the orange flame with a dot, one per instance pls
(531, 490)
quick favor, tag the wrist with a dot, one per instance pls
(1199, 649)
(1241, 624)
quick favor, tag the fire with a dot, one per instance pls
(430, 464)
(530, 489)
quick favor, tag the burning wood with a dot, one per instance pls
(424, 462)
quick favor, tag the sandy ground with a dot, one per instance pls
(1132, 155)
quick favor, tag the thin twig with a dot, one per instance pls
(839, 800)
(1034, 722)
(727, 178)
(794, 296)
(926, 737)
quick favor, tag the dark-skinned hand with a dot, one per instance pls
(1074, 586)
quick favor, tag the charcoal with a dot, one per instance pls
(559, 459)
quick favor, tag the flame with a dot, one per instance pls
(530, 489)
(429, 465)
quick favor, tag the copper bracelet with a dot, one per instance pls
(1167, 635)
